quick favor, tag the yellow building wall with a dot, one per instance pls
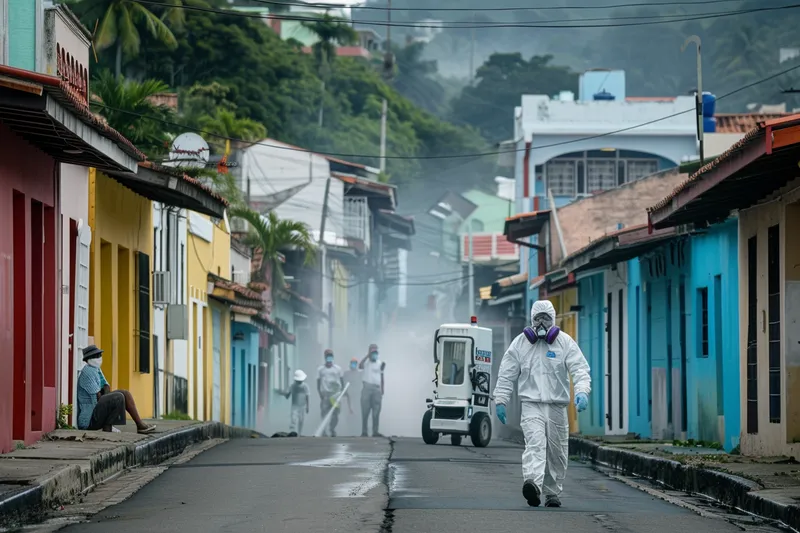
(773, 438)
(568, 322)
(122, 225)
(204, 258)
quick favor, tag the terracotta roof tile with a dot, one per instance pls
(178, 174)
(708, 167)
(743, 122)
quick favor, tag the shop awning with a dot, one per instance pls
(277, 334)
(509, 285)
(396, 222)
(172, 187)
(617, 247)
(525, 225)
(558, 279)
(751, 170)
(306, 304)
(46, 112)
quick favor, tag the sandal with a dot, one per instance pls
(146, 430)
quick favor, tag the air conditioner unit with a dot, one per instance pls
(160, 287)
(177, 322)
(239, 226)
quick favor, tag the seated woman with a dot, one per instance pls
(98, 406)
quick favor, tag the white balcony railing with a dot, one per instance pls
(357, 219)
(489, 248)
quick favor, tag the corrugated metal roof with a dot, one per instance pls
(752, 134)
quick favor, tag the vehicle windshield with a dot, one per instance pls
(454, 357)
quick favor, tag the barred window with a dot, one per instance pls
(601, 174)
(561, 177)
(638, 169)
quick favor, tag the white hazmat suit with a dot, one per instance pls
(541, 372)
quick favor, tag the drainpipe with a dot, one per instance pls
(526, 173)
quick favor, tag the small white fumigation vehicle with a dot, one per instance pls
(462, 354)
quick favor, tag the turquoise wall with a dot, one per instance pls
(278, 407)
(244, 357)
(674, 386)
(591, 334)
(713, 384)
(22, 34)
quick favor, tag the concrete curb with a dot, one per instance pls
(66, 483)
(727, 489)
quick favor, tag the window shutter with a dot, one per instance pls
(143, 278)
(81, 332)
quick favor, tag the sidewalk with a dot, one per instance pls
(67, 463)
(765, 486)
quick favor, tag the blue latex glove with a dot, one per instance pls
(581, 401)
(501, 413)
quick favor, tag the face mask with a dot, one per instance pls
(374, 356)
(542, 324)
(353, 365)
(329, 360)
(298, 383)
(96, 362)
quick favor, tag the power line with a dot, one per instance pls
(445, 156)
(496, 9)
(456, 25)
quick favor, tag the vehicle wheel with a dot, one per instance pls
(480, 430)
(455, 440)
(428, 435)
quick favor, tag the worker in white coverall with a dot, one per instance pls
(540, 361)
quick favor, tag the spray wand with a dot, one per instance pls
(327, 420)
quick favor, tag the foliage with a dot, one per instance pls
(119, 22)
(127, 107)
(244, 67)
(176, 415)
(64, 416)
(416, 79)
(270, 235)
(738, 49)
(502, 80)
(331, 32)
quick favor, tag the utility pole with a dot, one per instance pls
(699, 95)
(472, 54)
(321, 105)
(471, 274)
(383, 136)
(322, 255)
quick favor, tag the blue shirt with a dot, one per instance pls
(90, 381)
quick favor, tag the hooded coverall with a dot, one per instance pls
(542, 373)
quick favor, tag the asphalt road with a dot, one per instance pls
(312, 485)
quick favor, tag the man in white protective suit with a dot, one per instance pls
(541, 360)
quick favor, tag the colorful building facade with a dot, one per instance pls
(209, 319)
(755, 180)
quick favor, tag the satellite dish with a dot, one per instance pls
(188, 150)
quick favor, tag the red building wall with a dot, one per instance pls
(29, 290)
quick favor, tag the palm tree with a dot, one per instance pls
(128, 108)
(330, 32)
(270, 234)
(226, 125)
(119, 22)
